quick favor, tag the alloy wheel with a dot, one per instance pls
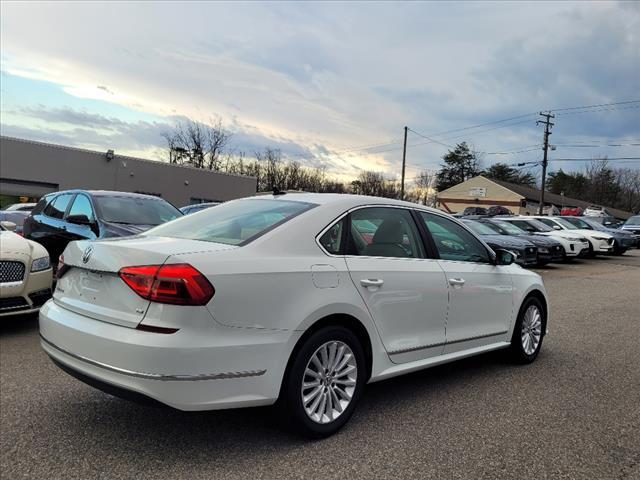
(329, 382)
(531, 329)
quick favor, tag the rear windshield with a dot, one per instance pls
(135, 210)
(233, 223)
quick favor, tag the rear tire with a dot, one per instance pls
(528, 331)
(324, 382)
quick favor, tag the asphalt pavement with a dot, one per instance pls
(574, 413)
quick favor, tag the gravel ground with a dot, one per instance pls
(574, 413)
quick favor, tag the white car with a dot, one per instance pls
(25, 273)
(595, 211)
(599, 242)
(20, 207)
(301, 298)
(573, 244)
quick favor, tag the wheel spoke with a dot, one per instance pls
(336, 401)
(306, 385)
(346, 371)
(312, 395)
(312, 373)
(339, 357)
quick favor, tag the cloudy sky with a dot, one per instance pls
(322, 81)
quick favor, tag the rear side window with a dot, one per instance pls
(40, 205)
(384, 232)
(58, 206)
(233, 223)
(331, 240)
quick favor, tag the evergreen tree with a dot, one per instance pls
(459, 165)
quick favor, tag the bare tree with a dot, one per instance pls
(197, 144)
(425, 186)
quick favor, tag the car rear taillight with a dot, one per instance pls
(177, 284)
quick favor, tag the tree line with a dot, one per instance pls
(208, 146)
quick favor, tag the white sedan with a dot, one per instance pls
(295, 298)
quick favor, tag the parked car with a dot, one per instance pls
(20, 207)
(62, 217)
(17, 217)
(498, 210)
(574, 245)
(622, 241)
(596, 211)
(526, 252)
(549, 250)
(282, 297)
(474, 211)
(25, 273)
(572, 211)
(609, 222)
(599, 242)
(196, 207)
(633, 225)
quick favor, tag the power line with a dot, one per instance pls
(594, 106)
(600, 110)
(588, 159)
(430, 139)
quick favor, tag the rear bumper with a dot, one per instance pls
(222, 368)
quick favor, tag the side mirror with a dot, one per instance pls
(79, 219)
(504, 257)
(557, 227)
(9, 225)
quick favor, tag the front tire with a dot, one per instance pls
(324, 382)
(528, 331)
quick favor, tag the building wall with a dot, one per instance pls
(479, 192)
(33, 169)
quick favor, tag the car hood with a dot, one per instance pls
(540, 240)
(123, 230)
(12, 245)
(506, 242)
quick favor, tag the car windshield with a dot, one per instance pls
(233, 223)
(510, 228)
(479, 228)
(135, 210)
(568, 225)
(580, 223)
(635, 220)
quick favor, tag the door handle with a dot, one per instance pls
(456, 281)
(371, 282)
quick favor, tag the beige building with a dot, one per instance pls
(482, 192)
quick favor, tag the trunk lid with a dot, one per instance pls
(92, 287)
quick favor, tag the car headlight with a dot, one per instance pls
(40, 264)
(602, 239)
(574, 239)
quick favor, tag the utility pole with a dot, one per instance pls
(404, 162)
(547, 131)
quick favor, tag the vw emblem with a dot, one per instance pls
(87, 254)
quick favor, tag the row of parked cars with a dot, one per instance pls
(62, 217)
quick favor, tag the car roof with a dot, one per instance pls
(110, 193)
(343, 200)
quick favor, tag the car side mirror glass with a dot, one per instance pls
(79, 219)
(504, 257)
(9, 225)
(557, 227)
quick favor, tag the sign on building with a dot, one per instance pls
(478, 192)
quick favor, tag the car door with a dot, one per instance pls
(50, 229)
(480, 292)
(81, 206)
(405, 292)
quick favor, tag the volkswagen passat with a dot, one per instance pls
(298, 298)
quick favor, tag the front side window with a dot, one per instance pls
(384, 232)
(135, 210)
(82, 206)
(453, 241)
(233, 223)
(58, 206)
